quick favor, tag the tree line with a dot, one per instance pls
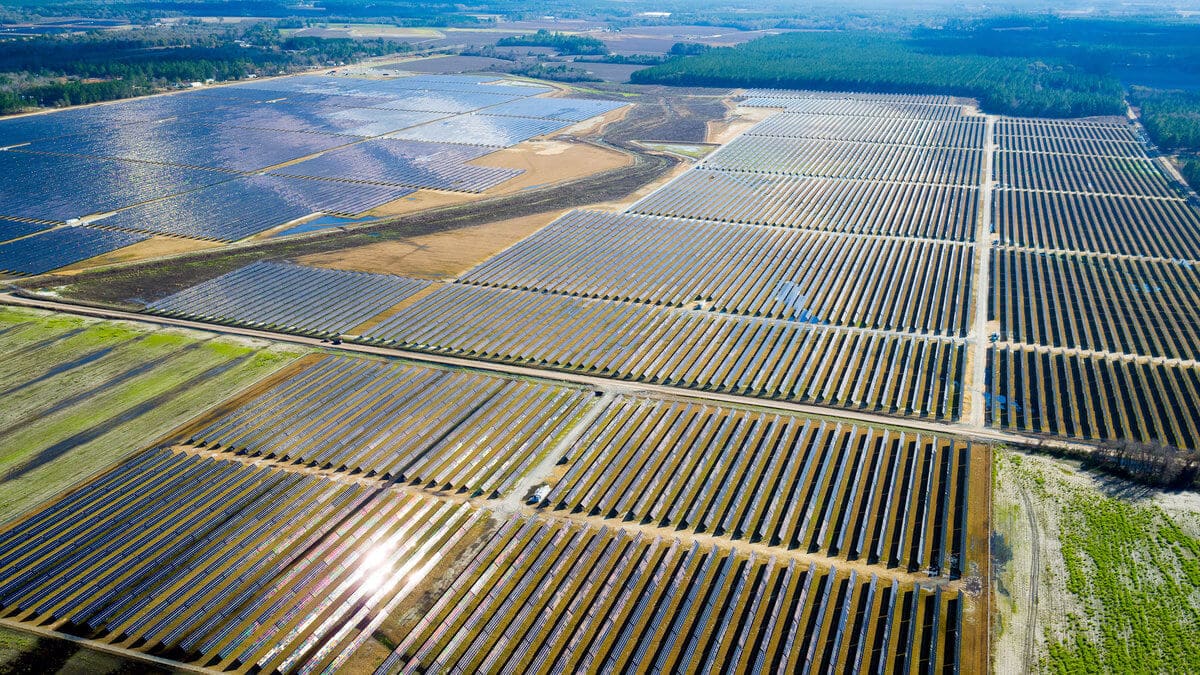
(563, 43)
(102, 66)
(892, 63)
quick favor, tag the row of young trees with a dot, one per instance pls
(895, 64)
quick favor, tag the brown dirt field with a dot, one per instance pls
(646, 189)
(737, 121)
(976, 635)
(419, 201)
(551, 161)
(438, 255)
(151, 248)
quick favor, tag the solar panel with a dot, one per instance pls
(61, 187)
(188, 143)
(410, 163)
(61, 247)
(293, 297)
(489, 130)
(244, 206)
(445, 101)
(573, 109)
(15, 229)
(288, 116)
(100, 118)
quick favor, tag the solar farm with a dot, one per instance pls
(228, 163)
(742, 422)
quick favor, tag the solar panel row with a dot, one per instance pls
(60, 247)
(244, 206)
(291, 297)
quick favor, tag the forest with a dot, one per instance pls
(1172, 118)
(101, 66)
(897, 64)
(563, 43)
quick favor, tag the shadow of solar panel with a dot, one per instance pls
(189, 144)
(573, 109)
(408, 163)
(244, 206)
(291, 297)
(34, 184)
(488, 130)
(61, 247)
(15, 229)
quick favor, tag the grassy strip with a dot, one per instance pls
(108, 423)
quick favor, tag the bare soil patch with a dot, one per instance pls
(155, 247)
(437, 255)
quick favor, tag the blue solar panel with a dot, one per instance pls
(100, 118)
(411, 163)
(61, 247)
(450, 83)
(487, 130)
(13, 229)
(62, 187)
(288, 116)
(573, 109)
(191, 144)
(245, 206)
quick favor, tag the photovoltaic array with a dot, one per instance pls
(58, 188)
(446, 429)
(14, 229)
(746, 275)
(248, 205)
(60, 247)
(388, 161)
(290, 297)
(480, 129)
(286, 529)
(202, 150)
(1092, 287)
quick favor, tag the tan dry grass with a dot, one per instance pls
(441, 255)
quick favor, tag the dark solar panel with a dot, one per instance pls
(61, 247)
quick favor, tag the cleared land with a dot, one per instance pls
(80, 395)
(1117, 584)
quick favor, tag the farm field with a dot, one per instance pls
(80, 395)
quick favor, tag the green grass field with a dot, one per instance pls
(82, 394)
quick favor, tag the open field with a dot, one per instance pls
(441, 255)
(1116, 583)
(81, 395)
